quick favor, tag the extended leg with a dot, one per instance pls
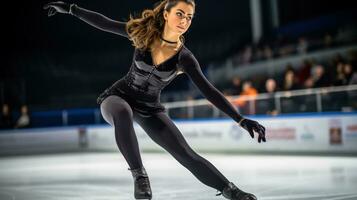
(165, 133)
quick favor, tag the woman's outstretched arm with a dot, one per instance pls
(192, 68)
(93, 18)
(100, 21)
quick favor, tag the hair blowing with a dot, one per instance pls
(143, 31)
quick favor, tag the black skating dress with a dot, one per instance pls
(142, 85)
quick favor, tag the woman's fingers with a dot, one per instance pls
(261, 132)
(257, 129)
(251, 132)
(263, 136)
(48, 5)
(262, 127)
(51, 12)
(253, 126)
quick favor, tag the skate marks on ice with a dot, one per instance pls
(300, 177)
(104, 176)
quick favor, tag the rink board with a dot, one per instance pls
(301, 133)
(335, 133)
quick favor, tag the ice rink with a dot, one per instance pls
(104, 176)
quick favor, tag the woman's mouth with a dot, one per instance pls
(180, 27)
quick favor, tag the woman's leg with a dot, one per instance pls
(118, 113)
(165, 133)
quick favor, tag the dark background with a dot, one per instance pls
(62, 62)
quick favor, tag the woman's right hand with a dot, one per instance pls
(58, 6)
(251, 125)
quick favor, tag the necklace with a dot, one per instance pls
(170, 42)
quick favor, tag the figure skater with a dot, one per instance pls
(159, 56)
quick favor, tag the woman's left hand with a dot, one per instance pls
(251, 125)
(58, 6)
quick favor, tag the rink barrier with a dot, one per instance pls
(301, 133)
(317, 100)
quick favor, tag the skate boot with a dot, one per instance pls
(142, 188)
(232, 192)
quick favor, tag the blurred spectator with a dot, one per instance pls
(247, 91)
(334, 62)
(348, 72)
(6, 121)
(309, 83)
(271, 88)
(282, 46)
(290, 80)
(24, 120)
(319, 77)
(302, 46)
(339, 78)
(304, 72)
(236, 85)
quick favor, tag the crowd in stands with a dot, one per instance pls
(8, 121)
(281, 47)
(335, 72)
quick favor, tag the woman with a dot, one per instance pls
(160, 55)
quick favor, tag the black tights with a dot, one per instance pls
(160, 128)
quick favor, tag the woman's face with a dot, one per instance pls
(179, 18)
(289, 76)
(347, 68)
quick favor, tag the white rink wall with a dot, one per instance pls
(327, 133)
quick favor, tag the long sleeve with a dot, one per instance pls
(193, 70)
(100, 21)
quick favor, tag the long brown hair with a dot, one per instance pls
(144, 30)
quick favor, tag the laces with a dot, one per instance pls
(143, 182)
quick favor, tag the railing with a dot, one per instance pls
(328, 99)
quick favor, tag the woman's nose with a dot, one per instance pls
(183, 22)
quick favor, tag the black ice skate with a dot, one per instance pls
(232, 192)
(142, 188)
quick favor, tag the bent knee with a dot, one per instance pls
(115, 106)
